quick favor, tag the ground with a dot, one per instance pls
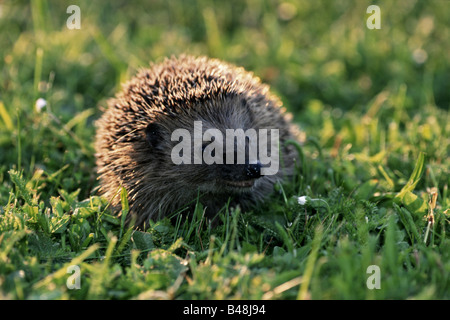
(366, 216)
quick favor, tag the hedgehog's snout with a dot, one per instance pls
(240, 175)
(253, 171)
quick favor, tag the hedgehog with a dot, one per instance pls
(135, 140)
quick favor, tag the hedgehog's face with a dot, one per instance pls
(208, 152)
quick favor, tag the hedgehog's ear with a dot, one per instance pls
(154, 135)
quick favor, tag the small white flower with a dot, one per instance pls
(305, 199)
(301, 200)
(40, 104)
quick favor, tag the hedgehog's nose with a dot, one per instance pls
(253, 171)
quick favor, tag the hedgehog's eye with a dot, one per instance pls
(153, 134)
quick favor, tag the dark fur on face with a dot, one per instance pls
(133, 141)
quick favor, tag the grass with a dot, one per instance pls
(375, 172)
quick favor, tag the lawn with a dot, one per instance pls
(365, 217)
